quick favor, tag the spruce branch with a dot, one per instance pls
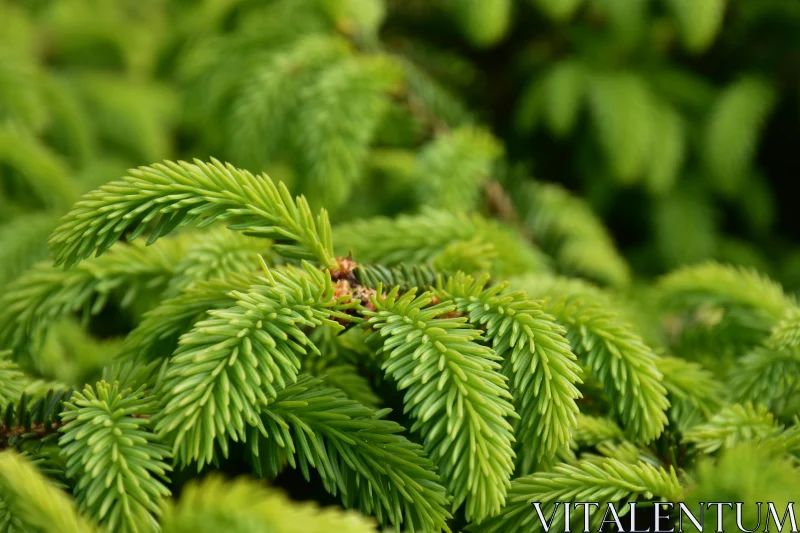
(12, 379)
(173, 194)
(405, 276)
(356, 452)
(342, 357)
(566, 227)
(453, 168)
(454, 391)
(749, 303)
(265, 103)
(119, 467)
(156, 336)
(590, 480)
(748, 472)
(537, 360)
(767, 376)
(694, 392)
(620, 360)
(338, 115)
(29, 419)
(218, 254)
(421, 238)
(591, 431)
(45, 294)
(785, 335)
(228, 366)
(735, 424)
(23, 243)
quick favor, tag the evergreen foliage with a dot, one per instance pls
(362, 265)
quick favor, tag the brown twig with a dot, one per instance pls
(37, 431)
(502, 207)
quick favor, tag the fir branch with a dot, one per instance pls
(156, 336)
(214, 504)
(767, 376)
(617, 357)
(455, 393)
(734, 124)
(590, 480)
(693, 391)
(482, 23)
(473, 256)
(452, 169)
(45, 294)
(746, 473)
(30, 419)
(405, 276)
(218, 254)
(537, 360)
(421, 238)
(566, 227)
(175, 194)
(346, 378)
(785, 335)
(228, 366)
(118, 465)
(44, 176)
(750, 301)
(735, 424)
(23, 243)
(593, 430)
(637, 310)
(12, 379)
(265, 104)
(356, 453)
(342, 357)
(338, 114)
(433, 104)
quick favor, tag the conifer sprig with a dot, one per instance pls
(356, 452)
(620, 360)
(29, 418)
(157, 334)
(537, 359)
(735, 424)
(455, 392)
(171, 195)
(590, 480)
(767, 376)
(44, 294)
(118, 466)
(751, 299)
(231, 364)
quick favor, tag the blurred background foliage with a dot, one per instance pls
(610, 140)
(673, 121)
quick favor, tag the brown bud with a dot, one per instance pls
(344, 269)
